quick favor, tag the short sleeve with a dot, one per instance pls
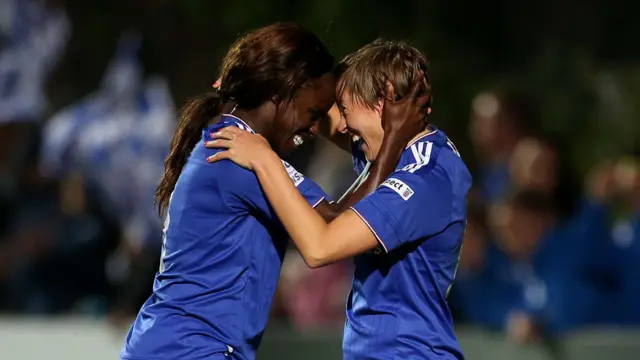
(408, 207)
(242, 188)
(311, 191)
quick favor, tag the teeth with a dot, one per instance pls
(355, 138)
(298, 140)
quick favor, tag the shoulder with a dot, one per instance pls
(435, 158)
(421, 183)
(223, 174)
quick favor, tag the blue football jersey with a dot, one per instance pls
(397, 308)
(357, 157)
(222, 252)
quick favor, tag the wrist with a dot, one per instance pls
(396, 139)
(265, 161)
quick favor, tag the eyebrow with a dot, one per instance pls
(317, 112)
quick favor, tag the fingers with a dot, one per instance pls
(222, 155)
(417, 86)
(228, 133)
(390, 93)
(416, 93)
(219, 144)
(216, 85)
(422, 100)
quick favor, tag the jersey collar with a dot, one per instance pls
(432, 131)
(234, 118)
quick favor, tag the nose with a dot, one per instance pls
(342, 125)
(313, 130)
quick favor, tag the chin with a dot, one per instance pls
(370, 157)
(285, 151)
(288, 148)
(368, 154)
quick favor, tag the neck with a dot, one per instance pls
(420, 134)
(255, 118)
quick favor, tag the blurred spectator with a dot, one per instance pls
(557, 292)
(624, 177)
(498, 123)
(539, 165)
(32, 37)
(116, 141)
(478, 296)
(48, 244)
(533, 166)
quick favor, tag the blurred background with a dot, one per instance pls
(542, 98)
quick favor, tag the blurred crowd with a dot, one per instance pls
(78, 229)
(545, 251)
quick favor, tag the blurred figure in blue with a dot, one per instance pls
(541, 165)
(498, 123)
(114, 143)
(556, 265)
(625, 235)
(479, 297)
(32, 37)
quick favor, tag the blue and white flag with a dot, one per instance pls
(117, 138)
(31, 41)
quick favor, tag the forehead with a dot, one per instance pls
(321, 92)
(347, 99)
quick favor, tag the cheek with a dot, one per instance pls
(364, 123)
(301, 118)
(352, 122)
(285, 125)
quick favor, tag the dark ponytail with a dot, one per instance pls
(275, 60)
(194, 116)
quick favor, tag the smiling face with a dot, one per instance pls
(365, 76)
(363, 123)
(298, 118)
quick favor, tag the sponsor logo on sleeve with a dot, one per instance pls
(295, 176)
(399, 187)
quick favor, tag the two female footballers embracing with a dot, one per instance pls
(228, 222)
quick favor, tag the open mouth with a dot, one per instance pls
(303, 135)
(357, 139)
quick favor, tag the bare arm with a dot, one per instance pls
(318, 242)
(392, 147)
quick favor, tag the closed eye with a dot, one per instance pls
(342, 109)
(317, 115)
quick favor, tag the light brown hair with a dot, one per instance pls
(365, 73)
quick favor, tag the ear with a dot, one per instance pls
(216, 85)
(378, 107)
